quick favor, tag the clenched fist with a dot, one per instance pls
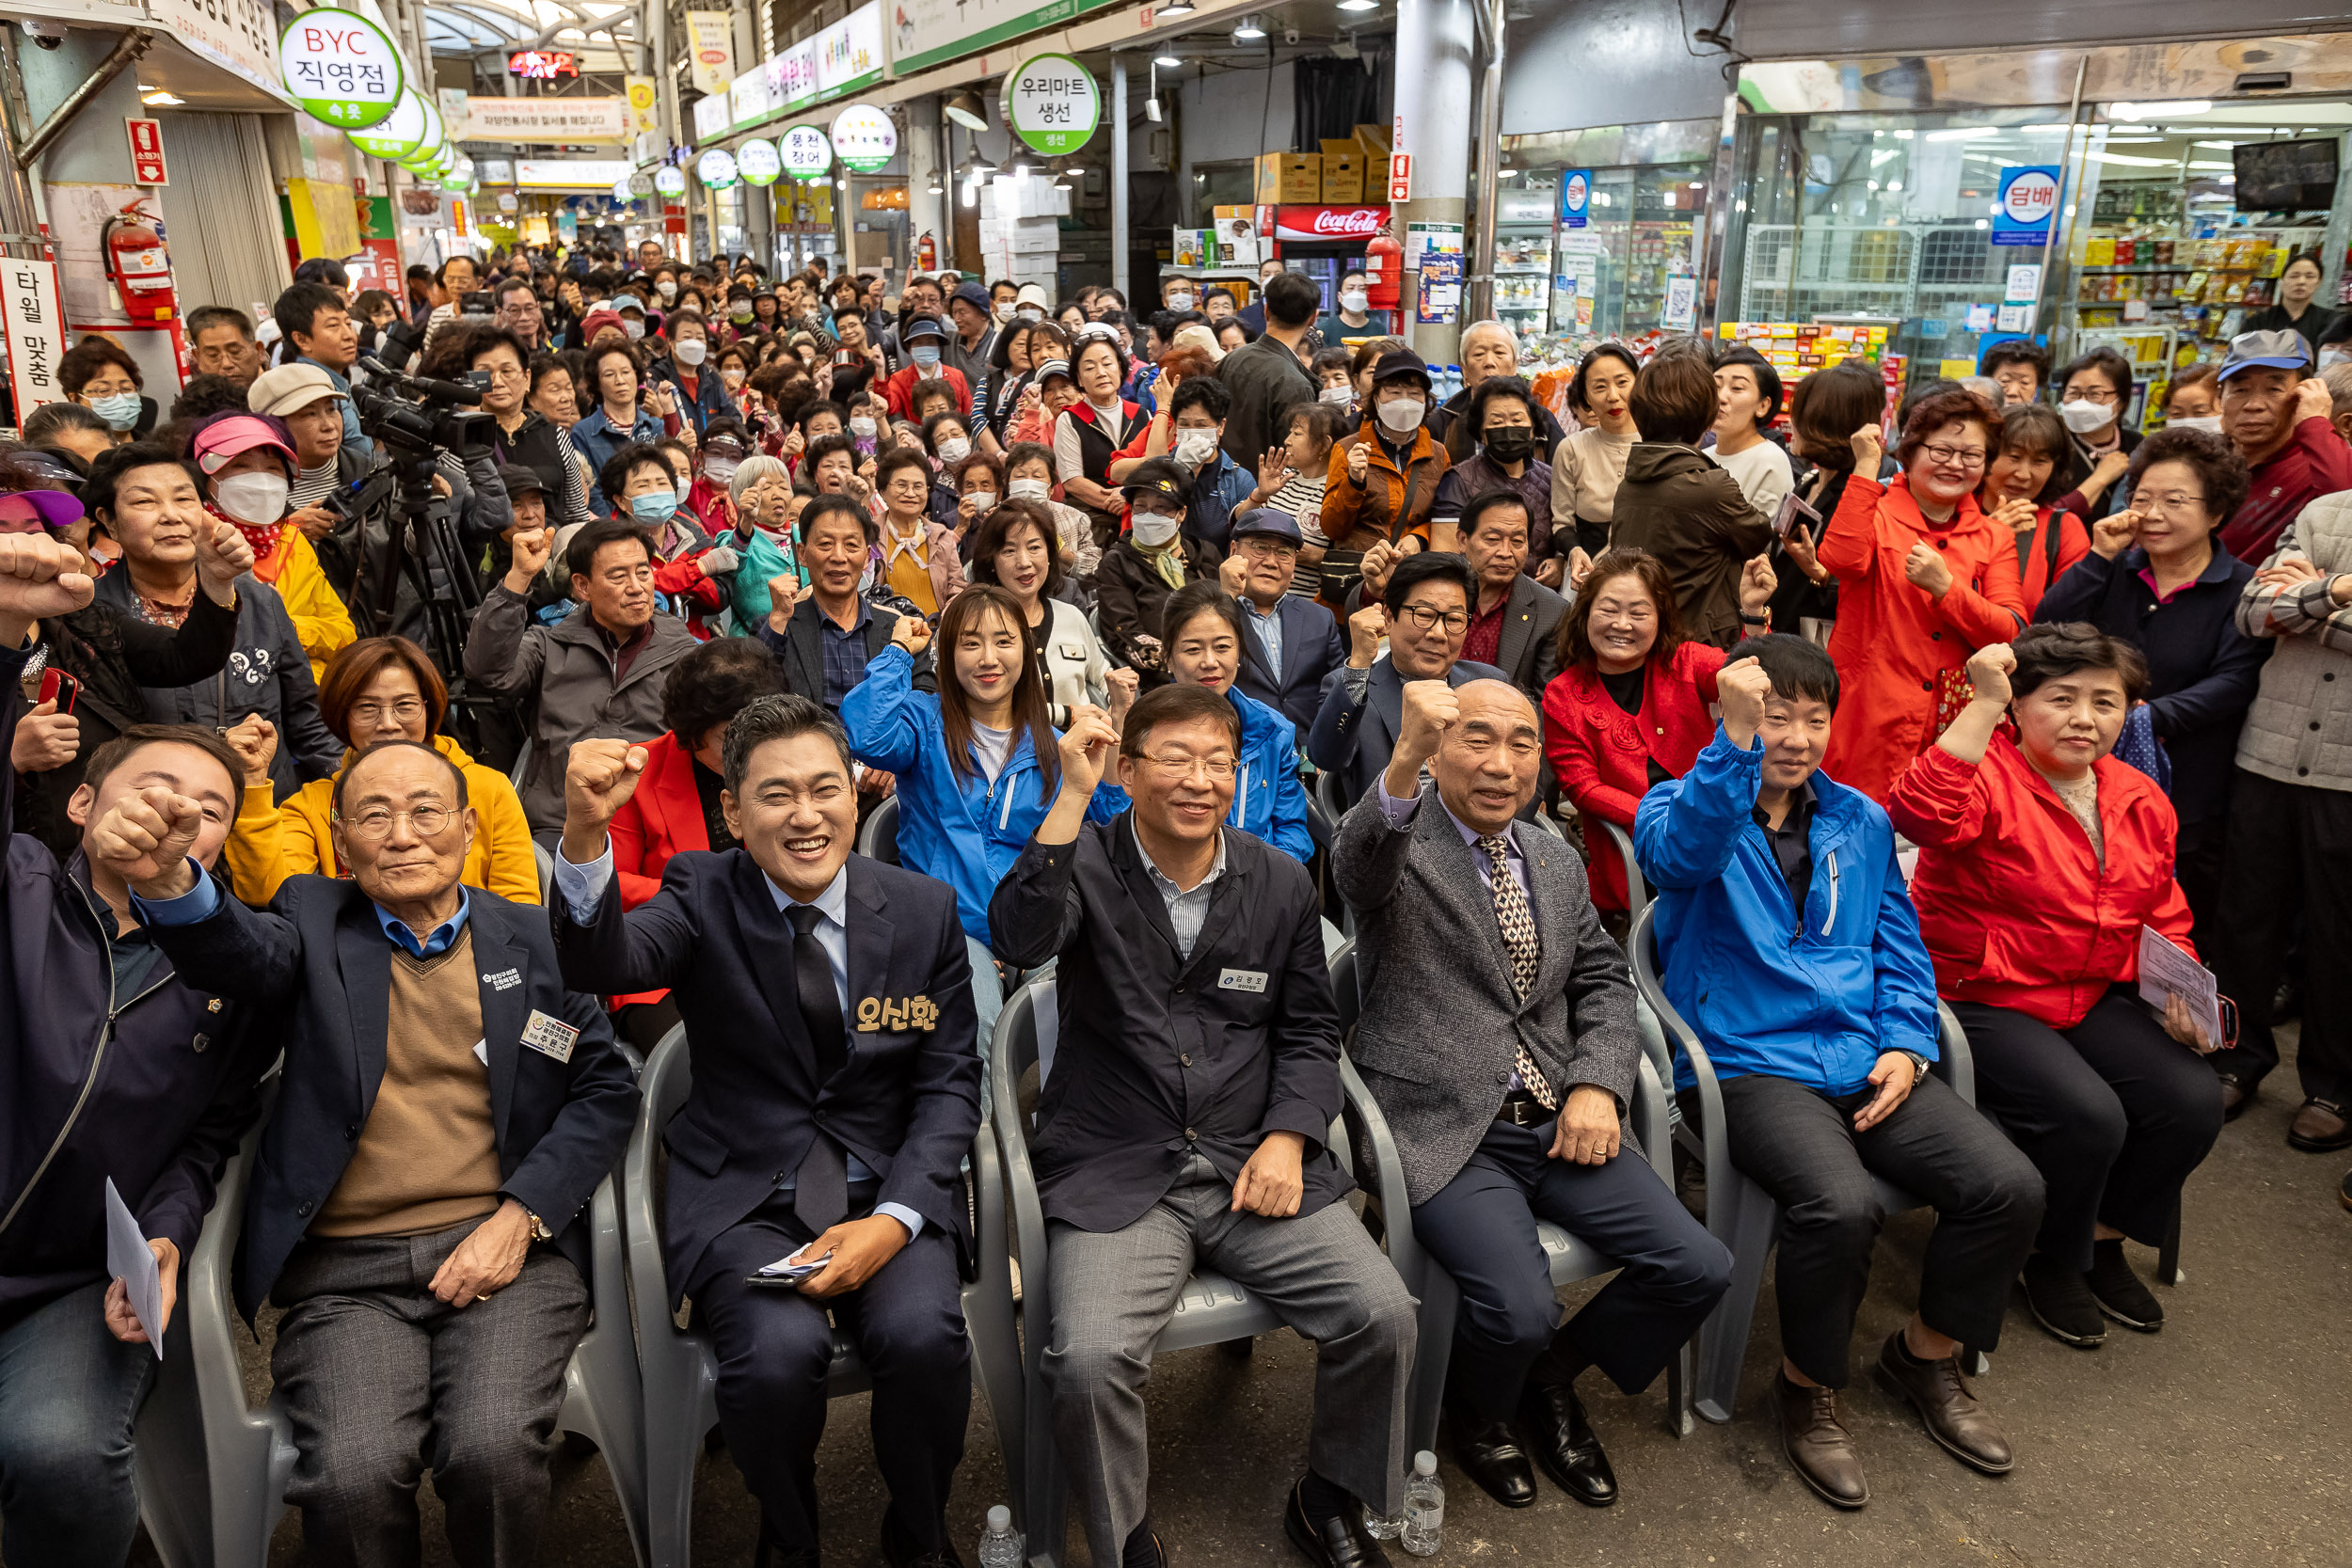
(1365, 628)
(598, 778)
(1989, 669)
(44, 740)
(911, 632)
(1358, 464)
(2111, 535)
(1925, 569)
(533, 547)
(145, 839)
(254, 739)
(222, 556)
(1742, 688)
(40, 577)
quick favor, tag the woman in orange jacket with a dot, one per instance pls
(1383, 479)
(1925, 578)
(2046, 868)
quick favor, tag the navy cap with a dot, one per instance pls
(920, 327)
(973, 295)
(1269, 523)
(1159, 476)
(1400, 364)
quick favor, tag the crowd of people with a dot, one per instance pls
(1164, 639)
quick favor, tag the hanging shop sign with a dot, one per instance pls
(716, 168)
(670, 180)
(1576, 197)
(1051, 104)
(35, 325)
(805, 152)
(710, 40)
(640, 183)
(542, 65)
(2026, 205)
(577, 174)
(793, 75)
(399, 134)
(849, 52)
(710, 118)
(641, 98)
(547, 119)
(927, 32)
(748, 98)
(1325, 225)
(864, 138)
(757, 161)
(342, 68)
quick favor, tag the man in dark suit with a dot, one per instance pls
(1193, 1084)
(446, 1111)
(1515, 625)
(1498, 1033)
(1425, 609)
(828, 999)
(822, 635)
(1292, 641)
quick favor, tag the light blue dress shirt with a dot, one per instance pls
(199, 902)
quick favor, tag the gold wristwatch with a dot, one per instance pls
(539, 1232)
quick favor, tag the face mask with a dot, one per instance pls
(862, 427)
(1400, 416)
(1511, 444)
(1353, 301)
(1030, 313)
(1195, 447)
(2082, 416)
(1003, 312)
(983, 501)
(1180, 302)
(955, 449)
(252, 498)
(1153, 530)
(732, 377)
(926, 357)
(1029, 489)
(740, 313)
(666, 289)
(690, 351)
(1338, 397)
(634, 328)
(121, 410)
(659, 507)
(2204, 421)
(2334, 356)
(720, 470)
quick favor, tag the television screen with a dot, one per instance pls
(2285, 176)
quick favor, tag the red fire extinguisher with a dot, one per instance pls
(926, 254)
(140, 267)
(1384, 264)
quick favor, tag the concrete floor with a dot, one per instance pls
(2223, 1440)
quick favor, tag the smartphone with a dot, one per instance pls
(59, 688)
(790, 1274)
(2229, 1021)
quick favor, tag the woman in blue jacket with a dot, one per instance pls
(977, 765)
(1201, 630)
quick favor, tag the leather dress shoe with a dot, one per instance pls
(899, 1552)
(1338, 1541)
(1563, 1443)
(2320, 1128)
(1939, 1391)
(2237, 1093)
(2345, 1192)
(1489, 1453)
(1818, 1447)
(772, 1553)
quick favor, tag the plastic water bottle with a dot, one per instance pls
(1001, 1545)
(1424, 1507)
(1384, 1526)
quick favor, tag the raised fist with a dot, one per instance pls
(1431, 709)
(1741, 687)
(1989, 669)
(145, 838)
(40, 575)
(598, 778)
(911, 632)
(1365, 628)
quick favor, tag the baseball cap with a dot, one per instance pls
(626, 301)
(1033, 293)
(50, 508)
(1159, 476)
(226, 435)
(1049, 369)
(1400, 364)
(2282, 350)
(287, 388)
(1270, 524)
(522, 479)
(920, 327)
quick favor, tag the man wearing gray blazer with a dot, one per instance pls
(1498, 1035)
(1424, 611)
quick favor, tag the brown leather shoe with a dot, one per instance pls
(1818, 1447)
(2320, 1127)
(1940, 1392)
(2235, 1095)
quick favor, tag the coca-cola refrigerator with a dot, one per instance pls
(1326, 244)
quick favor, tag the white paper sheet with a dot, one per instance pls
(2166, 971)
(130, 1259)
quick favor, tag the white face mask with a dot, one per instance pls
(633, 326)
(955, 449)
(862, 427)
(1180, 302)
(1400, 416)
(1195, 447)
(1153, 530)
(1338, 397)
(1029, 489)
(666, 289)
(2082, 416)
(690, 351)
(1354, 301)
(720, 470)
(1030, 313)
(2198, 421)
(1003, 312)
(252, 498)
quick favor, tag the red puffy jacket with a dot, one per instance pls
(2016, 911)
(661, 818)
(1601, 754)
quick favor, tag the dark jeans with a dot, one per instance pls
(2197, 866)
(2289, 850)
(2114, 1113)
(774, 1348)
(1800, 1147)
(69, 1392)
(1480, 1228)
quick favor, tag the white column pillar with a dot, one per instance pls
(1434, 47)
(1117, 175)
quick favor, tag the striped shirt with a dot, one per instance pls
(312, 487)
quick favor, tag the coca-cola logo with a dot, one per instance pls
(1332, 223)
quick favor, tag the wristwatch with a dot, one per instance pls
(539, 1232)
(1918, 1067)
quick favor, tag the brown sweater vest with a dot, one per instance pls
(426, 1159)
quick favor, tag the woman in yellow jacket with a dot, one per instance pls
(249, 462)
(378, 690)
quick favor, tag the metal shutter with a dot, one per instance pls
(227, 242)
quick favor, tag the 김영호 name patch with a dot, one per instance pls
(549, 1037)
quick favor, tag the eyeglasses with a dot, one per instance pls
(1429, 620)
(1969, 458)
(2175, 504)
(2093, 394)
(405, 709)
(375, 823)
(1272, 549)
(1174, 766)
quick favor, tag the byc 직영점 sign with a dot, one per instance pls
(341, 67)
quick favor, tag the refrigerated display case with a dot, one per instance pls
(1523, 220)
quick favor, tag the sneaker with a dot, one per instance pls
(2061, 1302)
(2118, 1290)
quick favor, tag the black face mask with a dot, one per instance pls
(1511, 444)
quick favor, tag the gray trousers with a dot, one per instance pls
(384, 1380)
(1114, 1291)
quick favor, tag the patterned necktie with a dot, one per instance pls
(1521, 941)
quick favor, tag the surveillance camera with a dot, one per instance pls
(1289, 35)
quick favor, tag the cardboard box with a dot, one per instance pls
(1344, 177)
(1373, 141)
(1290, 177)
(1187, 246)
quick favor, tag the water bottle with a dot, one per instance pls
(1424, 1507)
(1001, 1546)
(1383, 1527)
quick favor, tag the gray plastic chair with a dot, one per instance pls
(681, 1379)
(545, 864)
(1740, 1214)
(879, 838)
(1636, 886)
(1332, 795)
(250, 1453)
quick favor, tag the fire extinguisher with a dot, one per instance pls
(926, 254)
(138, 267)
(1384, 265)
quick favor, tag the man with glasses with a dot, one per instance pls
(1292, 641)
(1424, 611)
(518, 311)
(1195, 1081)
(2277, 413)
(446, 1111)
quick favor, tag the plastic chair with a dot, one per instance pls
(878, 839)
(1211, 1310)
(545, 863)
(1740, 1214)
(681, 1378)
(250, 1453)
(1636, 887)
(1331, 793)
(522, 764)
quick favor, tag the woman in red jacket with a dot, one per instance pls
(1924, 579)
(1630, 703)
(675, 807)
(2042, 861)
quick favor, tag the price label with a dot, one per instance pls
(341, 67)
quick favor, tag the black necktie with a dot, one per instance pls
(822, 1190)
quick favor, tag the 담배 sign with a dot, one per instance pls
(1051, 104)
(2025, 205)
(35, 327)
(341, 67)
(806, 151)
(864, 138)
(1576, 197)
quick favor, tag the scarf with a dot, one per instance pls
(1168, 560)
(269, 560)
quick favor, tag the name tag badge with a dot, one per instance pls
(1242, 979)
(550, 1037)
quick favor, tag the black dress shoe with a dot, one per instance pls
(772, 1553)
(1490, 1454)
(1564, 1445)
(2060, 1301)
(2237, 1093)
(1338, 1541)
(2119, 1292)
(900, 1551)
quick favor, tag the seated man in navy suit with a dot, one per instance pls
(828, 1003)
(1425, 609)
(445, 1112)
(1292, 641)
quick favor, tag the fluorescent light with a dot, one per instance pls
(1965, 133)
(2182, 107)
(1360, 5)
(1167, 62)
(1177, 7)
(2130, 160)
(2045, 129)
(160, 98)
(2216, 146)
(2213, 165)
